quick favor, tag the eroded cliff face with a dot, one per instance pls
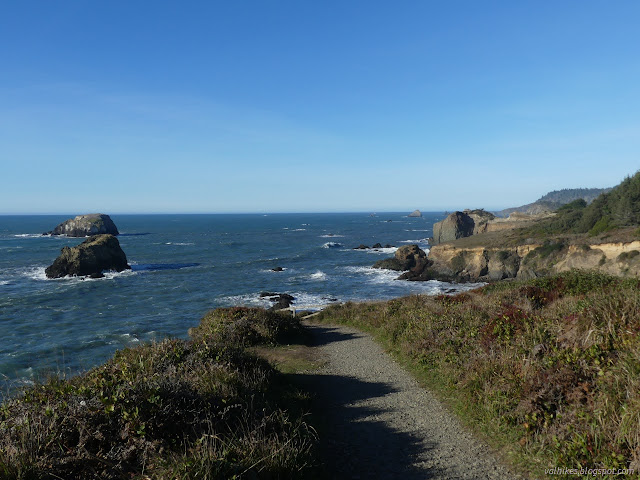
(533, 260)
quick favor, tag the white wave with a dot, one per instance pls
(4, 282)
(247, 300)
(386, 251)
(301, 300)
(319, 276)
(179, 243)
(112, 274)
(330, 235)
(30, 235)
(375, 275)
(310, 300)
(431, 287)
(420, 240)
(332, 245)
(34, 273)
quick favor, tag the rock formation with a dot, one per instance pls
(279, 300)
(532, 260)
(416, 213)
(473, 222)
(93, 256)
(85, 226)
(406, 257)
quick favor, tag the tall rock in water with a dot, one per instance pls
(85, 226)
(415, 213)
(93, 256)
(461, 224)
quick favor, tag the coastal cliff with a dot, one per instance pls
(491, 263)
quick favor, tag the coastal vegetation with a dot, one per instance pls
(548, 369)
(204, 408)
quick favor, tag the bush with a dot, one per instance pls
(203, 408)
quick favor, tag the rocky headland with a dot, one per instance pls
(85, 226)
(93, 256)
(473, 222)
(475, 245)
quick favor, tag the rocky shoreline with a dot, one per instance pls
(476, 246)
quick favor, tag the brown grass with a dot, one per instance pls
(549, 370)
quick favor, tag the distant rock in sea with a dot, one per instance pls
(85, 226)
(416, 213)
(93, 256)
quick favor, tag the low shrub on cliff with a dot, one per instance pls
(549, 369)
(203, 408)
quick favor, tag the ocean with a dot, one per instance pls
(183, 266)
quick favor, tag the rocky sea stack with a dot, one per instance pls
(93, 256)
(415, 213)
(85, 226)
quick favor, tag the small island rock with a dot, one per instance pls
(90, 258)
(416, 213)
(85, 226)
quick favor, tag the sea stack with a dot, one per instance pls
(93, 256)
(416, 213)
(85, 226)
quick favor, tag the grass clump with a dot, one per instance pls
(202, 408)
(549, 369)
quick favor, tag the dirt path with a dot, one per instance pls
(377, 422)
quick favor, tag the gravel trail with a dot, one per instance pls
(376, 422)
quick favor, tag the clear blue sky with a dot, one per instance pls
(283, 106)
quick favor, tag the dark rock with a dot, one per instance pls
(85, 226)
(377, 245)
(389, 246)
(279, 300)
(406, 258)
(90, 258)
(362, 247)
(277, 269)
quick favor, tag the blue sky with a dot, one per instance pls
(294, 106)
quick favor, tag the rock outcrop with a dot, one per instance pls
(93, 256)
(278, 300)
(473, 222)
(415, 213)
(85, 226)
(405, 258)
(532, 260)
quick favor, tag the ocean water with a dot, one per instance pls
(182, 266)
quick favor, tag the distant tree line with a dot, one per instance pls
(619, 207)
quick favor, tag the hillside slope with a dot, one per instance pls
(554, 200)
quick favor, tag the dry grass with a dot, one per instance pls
(204, 408)
(548, 369)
